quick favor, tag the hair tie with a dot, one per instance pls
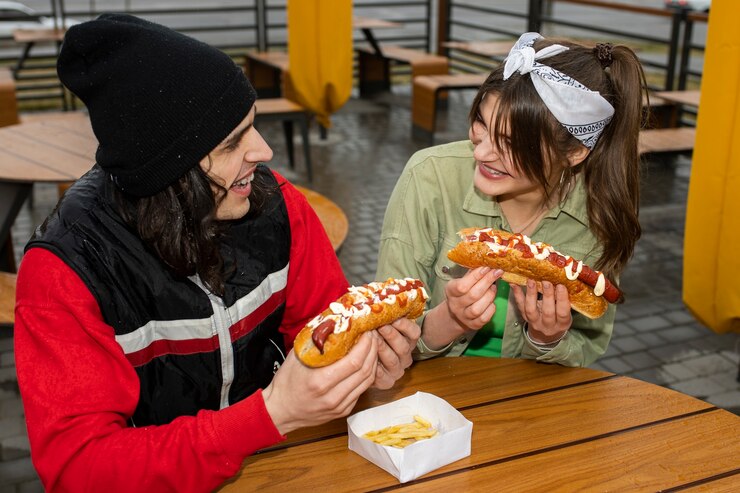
(603, 52)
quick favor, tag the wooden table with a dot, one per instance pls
(332, 216)
(367, 24)
(7, 298)
(536, 427)
(29, 38)
(482, 48)
(688, 98)
(62, 148)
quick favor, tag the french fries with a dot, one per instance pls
(400, 436)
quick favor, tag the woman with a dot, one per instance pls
(553, 155)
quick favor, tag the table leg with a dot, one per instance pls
(22, 59)
(373, 42)
(12, 197)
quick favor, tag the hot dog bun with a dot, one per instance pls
(521, 258)
(331, 334)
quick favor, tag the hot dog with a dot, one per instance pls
(331, 334)
(520, 258)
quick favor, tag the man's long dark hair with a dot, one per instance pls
(179, 224)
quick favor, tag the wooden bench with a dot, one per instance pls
(332, 216)
(374, 66)
(425, 99)
(288, 112)
(7, 298)
(667, 140)
(8, 101)
(268, 73)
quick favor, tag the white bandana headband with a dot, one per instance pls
(583, 112)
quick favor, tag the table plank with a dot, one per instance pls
(653, 458)
(530, 424)
(33, 151)
(689, 98)
(727, 484)
(482, 48)
(360, 22)
(496, 379)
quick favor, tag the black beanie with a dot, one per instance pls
(159, 101)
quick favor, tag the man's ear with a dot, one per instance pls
(577, 156)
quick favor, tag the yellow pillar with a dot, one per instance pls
(711, 277)
(320, 54)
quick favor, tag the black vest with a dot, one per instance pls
(166, 326)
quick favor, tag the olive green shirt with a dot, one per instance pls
(435, 198)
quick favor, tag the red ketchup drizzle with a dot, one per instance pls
(587, 275)
(321, 332)
(326, 327)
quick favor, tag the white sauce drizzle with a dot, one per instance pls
(572, 269)
(363, 296)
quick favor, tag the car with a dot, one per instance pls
(700, 5)
(15, 15)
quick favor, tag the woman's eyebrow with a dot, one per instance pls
(235, 138)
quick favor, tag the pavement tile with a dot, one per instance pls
(709, 364)
(628, 344)
(670, 352)
(641, 360)
(655, 376)
(679, 317)
(14, 448)
(34, 486)
(8, 375)
(7, 359)
(11, 408)
(684, 333)
(650, 339)
(16, 471)
(615, 365)
(698, 387)
(650, 323)
(726, 400)
(678, 371)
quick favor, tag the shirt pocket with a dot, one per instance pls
(445, 269)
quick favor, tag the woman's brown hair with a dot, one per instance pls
(540, 145)
(179, 224)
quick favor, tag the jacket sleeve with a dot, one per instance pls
(79, 391)
(315, 277)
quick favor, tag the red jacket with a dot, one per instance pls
(79, 389)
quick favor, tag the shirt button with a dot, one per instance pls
(516, 324)
(445, 269)
(463, 340)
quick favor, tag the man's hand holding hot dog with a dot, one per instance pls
(324, 393)
(396, 342)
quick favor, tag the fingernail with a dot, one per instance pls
(530, 283)
(499, 273)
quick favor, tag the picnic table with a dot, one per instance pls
(535, 427)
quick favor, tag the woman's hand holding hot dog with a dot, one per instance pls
(548, 316)
(467, 307)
